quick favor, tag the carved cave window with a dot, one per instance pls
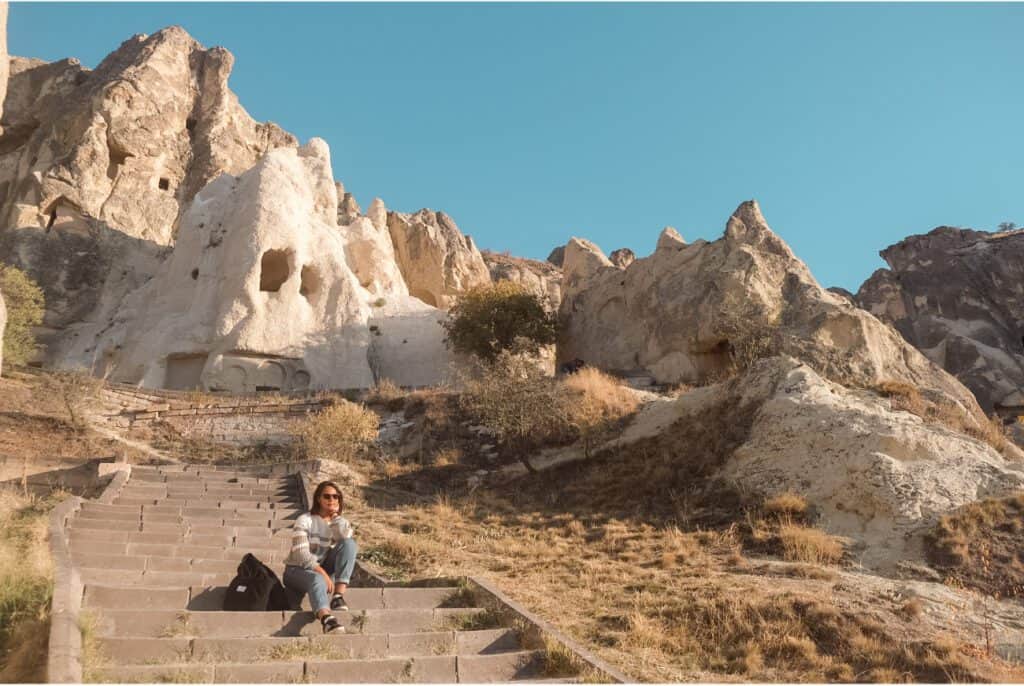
(273, 270)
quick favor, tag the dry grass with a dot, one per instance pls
(387, 393)
(25, 585)
(908, 398)
(981, 546)
(805, 544)
(595, 403)
(785, 505)
(339, 432)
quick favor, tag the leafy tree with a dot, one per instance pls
(503, 316)
(25, 306)
(1007, 226)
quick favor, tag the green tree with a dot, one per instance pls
(25, 306)
(487, 320)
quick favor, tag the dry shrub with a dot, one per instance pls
(805, 544)
(339, 432)
(912, 609)
(75, 389)
(513, 398)
(786, 505)
(447, 456)
(981, 546)
(386, 392)
(25, 586)
(595, 402)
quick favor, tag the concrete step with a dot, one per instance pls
(136, 623)
(212, 598)
(336, 646)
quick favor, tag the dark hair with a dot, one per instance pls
(314, 507)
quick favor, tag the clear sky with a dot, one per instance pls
(854, 125)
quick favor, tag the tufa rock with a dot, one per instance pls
(542, 279)
(5, 67)
(257, 294)
(878, 476)
(436, 260)
(557, 256)
(3, 328)
(955, 294)
(687, 315)
(669, 239)
(96, 167)
(622, 258)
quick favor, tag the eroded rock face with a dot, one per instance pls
(97, 166)
(958, 296)
(258, 294)
(622, 258)
(5, 67)
(436, 260)
(3, 327)
(670, 239)
(878, 476)
(678, 313)
(542, 279)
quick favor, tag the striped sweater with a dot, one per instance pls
(312, 537)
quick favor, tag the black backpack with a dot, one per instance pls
(256, 588)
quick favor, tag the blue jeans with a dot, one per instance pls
(338, 563)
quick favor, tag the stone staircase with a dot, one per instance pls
(156, 561)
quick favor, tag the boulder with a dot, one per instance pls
(684, 315)
(622, 258)
(257, 294)
(669, 239)
(542, 279)
(437, 261)
(955, 294)
(878, 476)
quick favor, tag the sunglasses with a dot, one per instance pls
(331, 496)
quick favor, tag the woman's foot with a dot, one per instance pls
(338, 602)
(330, 624)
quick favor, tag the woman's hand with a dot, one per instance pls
(327, 578)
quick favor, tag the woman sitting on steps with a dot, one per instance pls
(323, 555)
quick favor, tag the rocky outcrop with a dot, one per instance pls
(622, 258)
(683, 315)
(5, 67)
(258, 294)
(878, 476)
(557, 256)
(436, 260)
(3, 328)
(97, 166)
(669, 239)
(542, 279)
(956, 295)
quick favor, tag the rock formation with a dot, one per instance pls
(669, 239)
(3, 328)
(956, 295)
(258, 294)
(436, 260)
(622, 258)
(97, 166)
(681, 315)
(878, 476)
(557, 256)
(542, 279)
(5, 66)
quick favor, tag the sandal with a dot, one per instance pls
(330, 624)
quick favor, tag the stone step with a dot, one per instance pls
(178, 624)
(336, 646)
(212, 598)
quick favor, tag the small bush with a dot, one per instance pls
(25, 307)
(594, 402)
(488, 320)
(339, 432)
(75, 389)
(386, 392)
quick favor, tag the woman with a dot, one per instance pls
(323, 555)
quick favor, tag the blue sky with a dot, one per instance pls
(854, 125)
